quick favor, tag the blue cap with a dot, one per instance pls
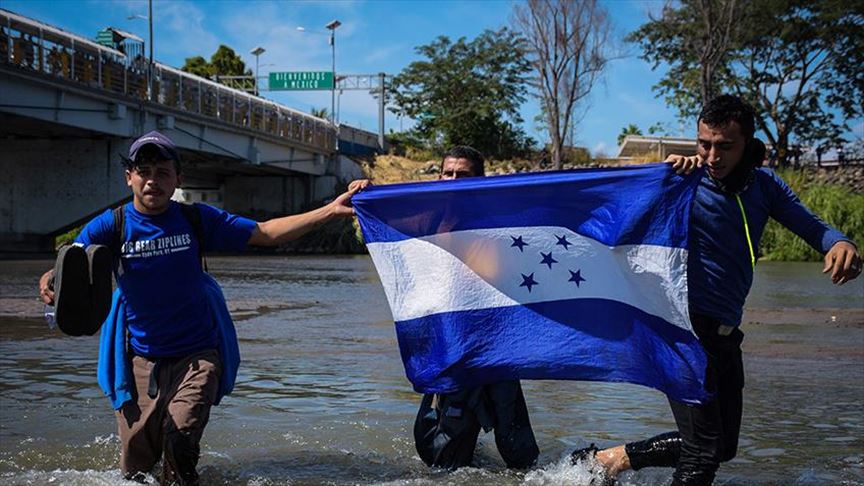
(164, 144)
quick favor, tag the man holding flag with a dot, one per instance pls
(631, 274)
(448, 424)
(560, 275)
(732, 205)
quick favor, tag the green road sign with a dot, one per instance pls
(301, 80)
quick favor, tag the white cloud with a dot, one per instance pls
(641, 105)
(382, 54)
(600, 149)
(185, 31)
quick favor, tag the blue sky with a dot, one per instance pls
(375, 36)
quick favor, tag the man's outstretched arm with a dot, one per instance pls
(288, 228)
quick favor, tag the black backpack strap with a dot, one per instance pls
(193, 214)
(118, 237)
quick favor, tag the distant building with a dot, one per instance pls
(655, 148)
(125, 42)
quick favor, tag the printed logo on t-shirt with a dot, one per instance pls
(160, 246)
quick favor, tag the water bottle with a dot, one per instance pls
(49, 316)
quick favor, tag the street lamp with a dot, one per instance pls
(332, 28)
(257, 52)
(149, 19)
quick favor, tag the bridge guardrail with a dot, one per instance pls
(30, 45)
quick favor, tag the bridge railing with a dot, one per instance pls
(30, 45)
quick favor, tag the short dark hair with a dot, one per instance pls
(148, 154)
(724, 109)
(478, 164)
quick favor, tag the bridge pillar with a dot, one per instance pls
(49, 186)
(265, 197)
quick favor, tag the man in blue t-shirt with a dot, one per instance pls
(732, 205)
(172, 339)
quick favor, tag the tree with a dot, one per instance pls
(198, 66)
(630, 129)
(661, 129)
(320, 113)
(567, 45)
(223, 62)
(802, 71)
(226, 62)
(466, 93)
(699, 34)
(797, 61)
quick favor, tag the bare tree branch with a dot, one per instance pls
(567, 44)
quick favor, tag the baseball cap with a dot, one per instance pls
(164, 144)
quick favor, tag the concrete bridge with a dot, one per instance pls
(70, 107)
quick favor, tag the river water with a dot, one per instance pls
(322, 398)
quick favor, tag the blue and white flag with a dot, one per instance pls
(578, 275)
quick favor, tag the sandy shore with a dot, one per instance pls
(837, 317)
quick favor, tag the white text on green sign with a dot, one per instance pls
(301, 80)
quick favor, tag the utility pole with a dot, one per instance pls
(256, 52)
(150, 21)
(381, 113)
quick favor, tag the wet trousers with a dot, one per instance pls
(168, 413)
(447, 426)
(707, 434)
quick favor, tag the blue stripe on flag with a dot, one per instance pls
(582, 339)
(646, 204)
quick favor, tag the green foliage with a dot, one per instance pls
(320, 112)
(409, 144)
(226, 62)
(660, 129)
(630, 129)
(467, 93)
(836, 205)
(68, 237)
(223, 62)
(797, 61)
(680, 38)
(198, 66)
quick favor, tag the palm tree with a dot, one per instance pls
(320, 113)
(630, 129)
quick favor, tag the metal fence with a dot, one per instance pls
(30, 45)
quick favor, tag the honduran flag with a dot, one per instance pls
(577, 275)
